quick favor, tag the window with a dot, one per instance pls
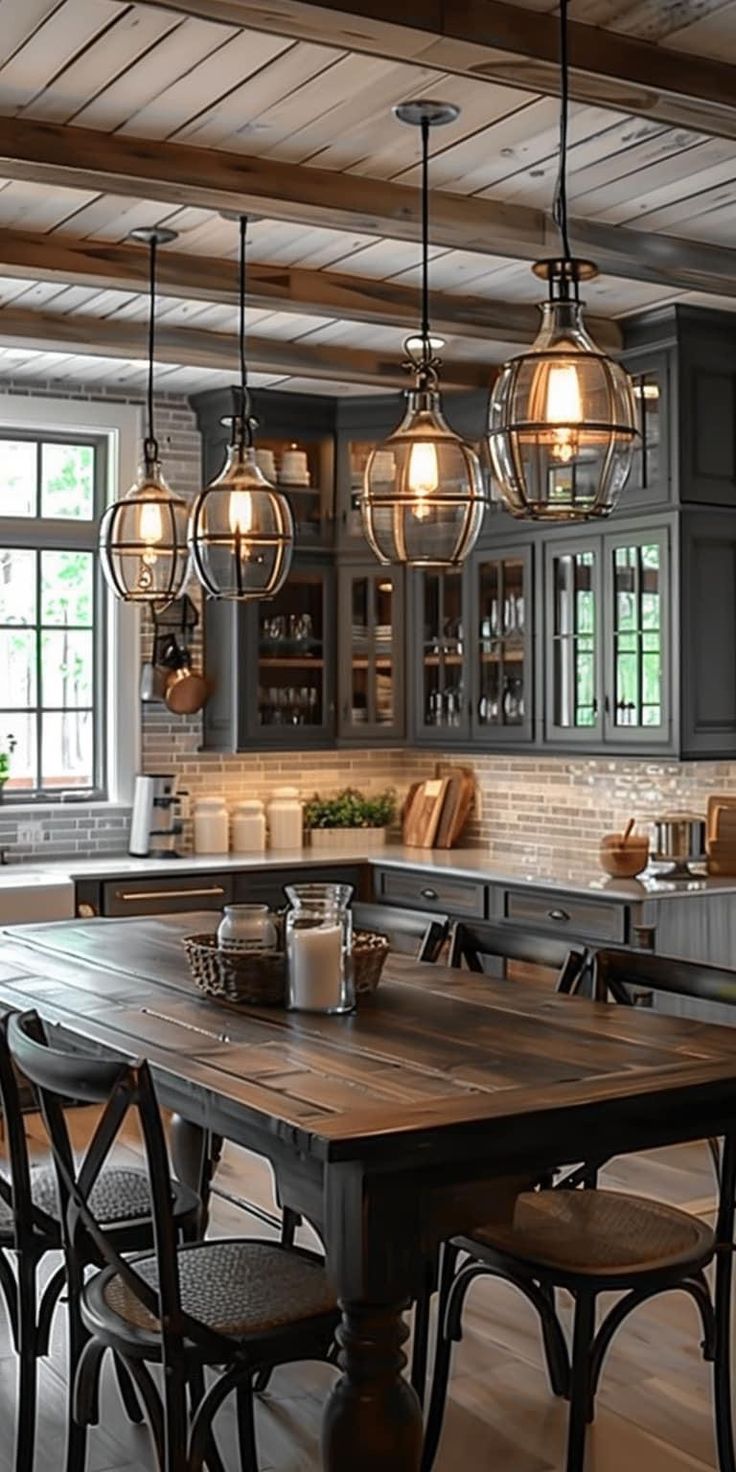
(51, 612)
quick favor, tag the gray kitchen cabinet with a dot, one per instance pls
(502, 645)
(608, 636)
(650, 478)
(371, 645)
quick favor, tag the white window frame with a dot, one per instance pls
(121, 426)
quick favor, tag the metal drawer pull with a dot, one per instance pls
(557, 915)
(429, 894)
(168, 894)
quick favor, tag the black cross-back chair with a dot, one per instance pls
(30, 1227)
(486, 948)
(410, 932)
(591, 1241)
(238, 1305)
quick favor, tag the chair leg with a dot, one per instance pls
(581, 1400)
(176, 1421)
(246, 1428)
(722, 1364)
(76, 1434)
(442, 1357)
(133, 1408)
(420, 1343)
(25, 1435)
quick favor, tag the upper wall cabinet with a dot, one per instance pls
(371, 633)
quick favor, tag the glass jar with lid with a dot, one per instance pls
(285, 818)
(319, 935)
(247, 928)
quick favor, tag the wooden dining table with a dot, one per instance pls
(390, 1129)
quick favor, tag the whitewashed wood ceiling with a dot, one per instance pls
(146, 73)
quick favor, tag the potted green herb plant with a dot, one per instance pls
(350, 820)
(6, 753)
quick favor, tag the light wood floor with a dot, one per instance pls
(654, 1410)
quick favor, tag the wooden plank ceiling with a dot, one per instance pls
(114, 115)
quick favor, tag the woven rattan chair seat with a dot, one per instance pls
(598, 1233)
(234, 1287)
(121, 1195)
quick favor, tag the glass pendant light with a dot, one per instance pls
(143, 537)
(563, 421)
(241, 532)
(423, 496)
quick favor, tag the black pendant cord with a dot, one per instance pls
(559, 209)
(244, 413)
(425, 239)
(151, 445)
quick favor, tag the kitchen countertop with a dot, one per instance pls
(462, 863)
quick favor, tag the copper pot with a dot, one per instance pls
(186, 691)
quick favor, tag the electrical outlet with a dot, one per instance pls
(30, 834)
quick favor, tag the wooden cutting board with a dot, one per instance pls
(456, 810)
(409, 827)
(433, 798)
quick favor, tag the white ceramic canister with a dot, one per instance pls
(247, 928)
(285, 818)
(248, 826)
(211, 826)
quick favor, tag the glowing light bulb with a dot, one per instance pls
(241, 512)
(150, 530)
(423, 475)
(564, 407)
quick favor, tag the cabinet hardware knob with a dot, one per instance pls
(429, 894)
(560, 915)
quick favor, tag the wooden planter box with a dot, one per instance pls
(339, 840)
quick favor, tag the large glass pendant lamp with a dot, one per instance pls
(143, 537)
(423, 495)
(241, 532)
(563, 421)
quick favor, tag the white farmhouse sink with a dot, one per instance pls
(28, 895)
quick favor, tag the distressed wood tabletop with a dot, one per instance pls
(390, 1129)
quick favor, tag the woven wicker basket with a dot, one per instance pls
(258, 977)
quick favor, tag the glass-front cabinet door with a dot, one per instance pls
(371, 653)
(636, 674)
(574, 634)
(295, 663)
(649, 478)
(502, 646)
(442, 689)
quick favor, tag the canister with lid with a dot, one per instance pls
(248, 826)
(285, 818)
(211, 825)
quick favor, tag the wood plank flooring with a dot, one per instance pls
(654, 1409)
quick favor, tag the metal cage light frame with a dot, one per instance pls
(143, 536)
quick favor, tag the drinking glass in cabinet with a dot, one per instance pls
(443, 653)
(637, 635)
(574, 639)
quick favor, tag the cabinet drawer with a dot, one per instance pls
(266, 886)
(430, 892)
(166, 896)
(582, 918)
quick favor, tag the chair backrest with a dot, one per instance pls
(412, 932)
(121, 1089)
(15, 1189)
(617, 972)
(479, 946)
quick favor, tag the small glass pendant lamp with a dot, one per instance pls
(241, 532)
(563, 420)
(143, 537)
(423, 496)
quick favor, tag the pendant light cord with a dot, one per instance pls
(244, 407)
(559, 209)
(425, 238)
(151, 445)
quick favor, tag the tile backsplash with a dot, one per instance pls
(531, 808)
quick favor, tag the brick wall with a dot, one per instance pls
(532, 808)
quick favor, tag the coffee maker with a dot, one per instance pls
(156, 822)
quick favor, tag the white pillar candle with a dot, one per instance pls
(315, 964)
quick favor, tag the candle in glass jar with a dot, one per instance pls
(315, 964)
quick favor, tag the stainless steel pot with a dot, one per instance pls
(678, 839)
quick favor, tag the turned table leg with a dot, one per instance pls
(373, 1417)
(195, 1154)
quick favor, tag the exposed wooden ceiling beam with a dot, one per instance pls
(503, 43)
(180, 174)
(194, 348)
(31, 256)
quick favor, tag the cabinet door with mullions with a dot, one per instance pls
(371, 643)
(574, 641)
(636, 674)
(502, 646)
(442, 693)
